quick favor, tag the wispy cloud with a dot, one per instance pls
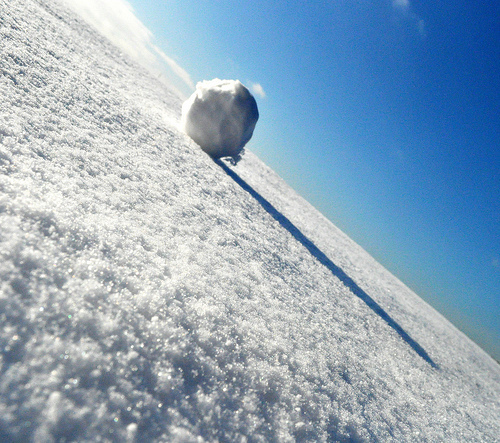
(116, 20)
(405, 11)
(403, 5)
(495, 262)
(174, 66)
(257, 89)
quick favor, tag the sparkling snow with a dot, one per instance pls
(148, 293)
(220, 116)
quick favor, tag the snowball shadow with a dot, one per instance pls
(324, 260)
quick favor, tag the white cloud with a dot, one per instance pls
(422, 30)
(495, 262)
(257, 89)
(404, 10)
(116, 20)
(403, 5)
(180, 72)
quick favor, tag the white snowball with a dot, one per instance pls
(220, 116)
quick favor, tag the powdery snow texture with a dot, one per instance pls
(145, 296)
(220, 116)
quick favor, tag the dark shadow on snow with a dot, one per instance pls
(323, 259)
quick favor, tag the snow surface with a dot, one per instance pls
(220, 116)
(148, 293)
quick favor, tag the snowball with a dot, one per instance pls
(220, 116)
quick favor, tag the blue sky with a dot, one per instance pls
(384, 114)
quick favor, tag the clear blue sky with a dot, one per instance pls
(383, 114)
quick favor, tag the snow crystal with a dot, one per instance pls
(220, 116)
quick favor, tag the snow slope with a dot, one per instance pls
(150, 293)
